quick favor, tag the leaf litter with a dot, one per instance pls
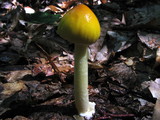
(37, 66)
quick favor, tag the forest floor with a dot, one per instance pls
(37, 66)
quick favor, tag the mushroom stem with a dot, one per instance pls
(84, 107)
(156, 113)
(81, 78)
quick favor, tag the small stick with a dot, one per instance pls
(49, 59)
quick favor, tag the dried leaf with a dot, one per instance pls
(120, 40)
(17, 44)
(53, 8)
(20, 118)
(103, 54)
(9, 57)
(66, 4)
(10, 88)
(6, 5)
(17, 75)
(155, 88)
(116, 21)
(16, 15)
(147, 16)
(95, 65)
(103, 1)
(150, 39)
(142, 101)
(122, 74)
(43, 68)
(3, 41)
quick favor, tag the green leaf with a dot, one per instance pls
(43, 18)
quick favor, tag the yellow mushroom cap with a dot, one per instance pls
(79, 25)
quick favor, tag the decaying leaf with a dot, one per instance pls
(9, 58)
(155, 88)
(6, 5)
(43, 68)
(14, 76)
(146, 16)
(16, 15)
(53, 8)
(151, 40)
(118, 85)
(66, 4)
(10, 88)
(103, 1)
(3, 40)
(120, 40)
(123, 74)
(20, 118)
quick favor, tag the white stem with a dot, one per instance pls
(156, 113)
(83, 105)
(81, 78)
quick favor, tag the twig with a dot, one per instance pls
(49, 58)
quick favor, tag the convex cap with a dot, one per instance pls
(79, 25)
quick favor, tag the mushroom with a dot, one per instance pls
(155, 91)
(81, 27)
